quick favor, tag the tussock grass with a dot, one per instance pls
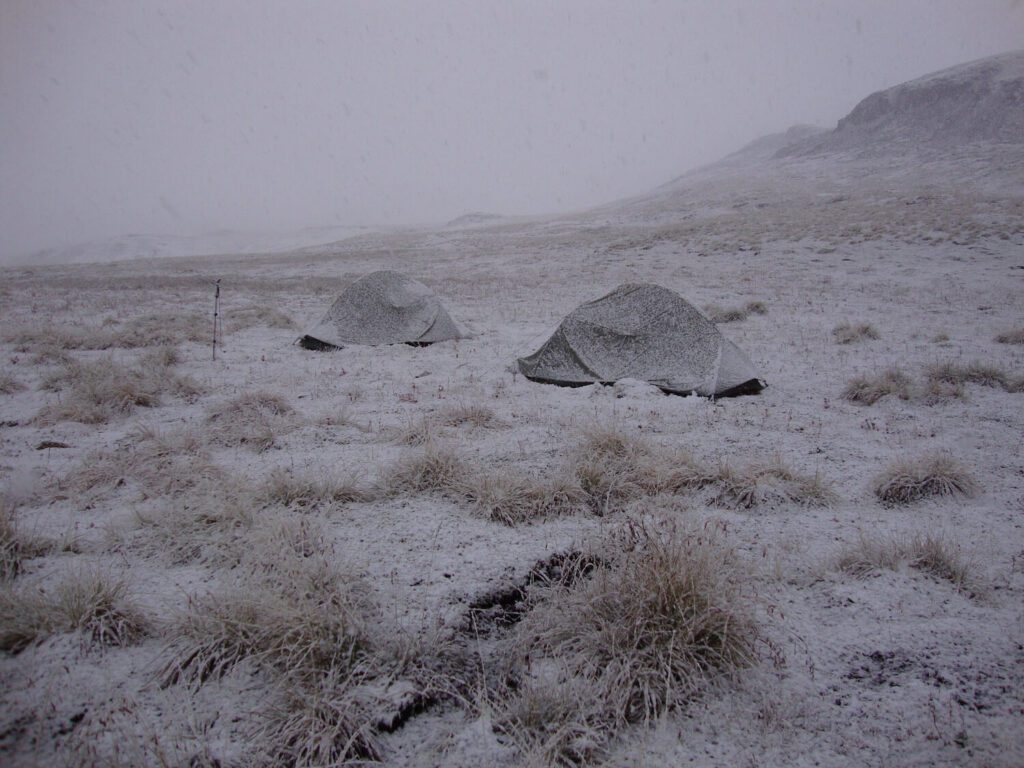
(289, 609)
(9, 385)
(264, 625)
(241, 318)
(937, 391)
(513, 499)
(935, 475)
(936, 555)
(431, 470)
(289, 489)
(164, 356)
(477, 416)
(424, 429)
(249, 420)
(848, 333)
(158, 463)
(53, 337)
(1015, 336)
(555, 725)
(290, 612)
(681, 474)
(204, 528)
(416, 433)
(89, 602)
(16, 546)
(162, 329)
(942, 382)
(118, 734)
(50, 355)
(144, 331)
(95, 393)
(942, 559)
(870, 555)
(614, 469)
(719, 314)
(972, 373)
(640, 636)
(320, 723)
(868, 390)
(769, 484)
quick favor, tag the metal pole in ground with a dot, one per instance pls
(216, 313)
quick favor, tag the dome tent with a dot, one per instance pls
(383, 308)
(646, 332)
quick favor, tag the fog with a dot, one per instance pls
(189, 117)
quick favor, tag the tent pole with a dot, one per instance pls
(216, 313)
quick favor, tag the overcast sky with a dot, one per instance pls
(187, 117)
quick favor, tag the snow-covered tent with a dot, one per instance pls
(383, 308)
(646, 332)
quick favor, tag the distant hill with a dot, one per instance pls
(981, 101)
(768, 146)
(475, 219)
(128, 247)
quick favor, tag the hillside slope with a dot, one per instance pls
(981, 101)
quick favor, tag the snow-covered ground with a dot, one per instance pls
(896, 667)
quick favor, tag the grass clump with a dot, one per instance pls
(119, 733)
(555, 725)
(201, 528)
(97, 392)
(414, 434)
(718, 314)
(935, 555)
(908, 480)
(868, 390)
(249, 420)
(305, 492)
(54, 337)
(640, 635)
(513, 500)
(432, 470)
(614, 470)
(291, 613)
(423, 430)
(161, 330)
(157, 463)
(956, 374)
(89, 602)
(15, 545)
(241, 318)
(164, 356)
(941, 559)
(324, 722)
(1015, 336)
(9, 385)
(769, 484)
(477, 416)
(848, 333)
(144, 331)
(289, 610)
